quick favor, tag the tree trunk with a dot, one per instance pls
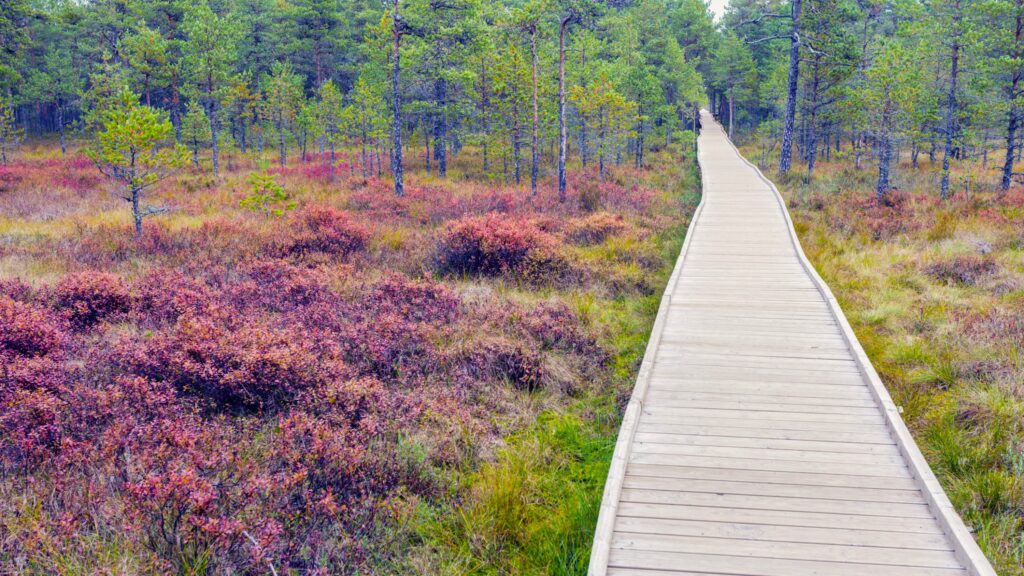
(282, 155)
(581, 117)
(884, 155)
(136, 196)
(441, 126)
(639, 158)
(396, 121)
(175, 105)
(951, 100)
(812, 124)
(331, 144)
(563, 140)
(60, 123)
(483, 112)
(786, 155)
(732, 113)
(600, 142)
(516, 136)
(536, 116)
(1011, 129)
(213, 136)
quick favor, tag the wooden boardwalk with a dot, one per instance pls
(759, 439)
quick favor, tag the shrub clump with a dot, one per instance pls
(963, 270)
(522, 367)
(497, 245)
(27, 330)
(323, 230)
(414, 301)
(250, 367)
(595, 228)
(89, 297)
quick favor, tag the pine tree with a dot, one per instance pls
(132, 148)
(209, 55)
(195, 130)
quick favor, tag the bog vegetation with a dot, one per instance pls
(329, 288)
(319, 287)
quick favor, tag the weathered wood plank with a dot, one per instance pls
(785, 550)
(762, 442)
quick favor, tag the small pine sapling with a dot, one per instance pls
(268, 197)
(131, 149)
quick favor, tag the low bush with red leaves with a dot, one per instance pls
(496, 245)
(27, 329)
(966, 270)
(324, 231)
(87, 298)
(595, 228)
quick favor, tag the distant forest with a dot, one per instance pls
(521, 80)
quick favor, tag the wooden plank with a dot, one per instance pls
(786, 490)
(676, 413)
(770, 465)
(769, 444)
(747, 421)
(763, 566)
(675, 448)
(845, 508)
(877, 436)
(742, 403)
(770, 533)
(722, 371)
(785, 550)
(781, 399)
(779, 518)
(705, 383)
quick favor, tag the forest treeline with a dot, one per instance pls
(878, 80)
(524, 81)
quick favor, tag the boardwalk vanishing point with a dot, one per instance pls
(759, 439)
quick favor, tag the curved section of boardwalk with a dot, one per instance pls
(759, 439)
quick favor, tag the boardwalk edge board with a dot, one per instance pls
(965, 547)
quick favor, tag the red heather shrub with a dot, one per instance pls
(30, 426)
(389, 346)
(592, 194)
(595, 228)
(323, 230)
(414, 301)
(16, 289)
(164, 295)
(33, 407)
(963, 270)
(87, 298)
(250, 366)
(996, 324)
(495, 245)
(317, 172)
(10, 176)
(276, 285)
(27, 330)
(554, 325)
(879, 220)
(522, 367)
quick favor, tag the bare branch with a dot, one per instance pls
(763, 17)
(770, 38)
